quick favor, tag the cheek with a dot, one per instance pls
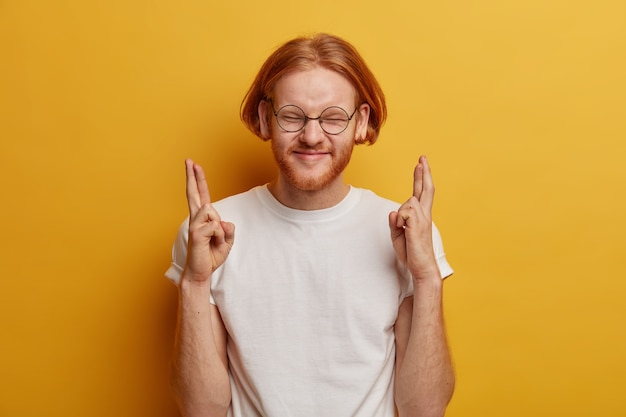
(275, 132)
(280, 144)
(345, 146)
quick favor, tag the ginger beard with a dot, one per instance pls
(318, 177)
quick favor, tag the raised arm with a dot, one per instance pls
(424, 380)
(200, 365)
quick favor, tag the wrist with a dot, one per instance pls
(431, 283)
(194, 297)
(195, 292)
(189, 279)
(426, 273)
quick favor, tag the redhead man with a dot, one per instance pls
(307, 296)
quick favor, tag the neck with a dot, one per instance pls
(293, 197)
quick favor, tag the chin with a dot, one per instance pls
(316, 178)
(316, 183)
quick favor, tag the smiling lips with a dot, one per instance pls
(310, 154)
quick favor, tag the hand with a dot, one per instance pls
(411, 225)
(210, 239)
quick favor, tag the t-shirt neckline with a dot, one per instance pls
(330, 213)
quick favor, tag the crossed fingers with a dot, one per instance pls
(419, 206)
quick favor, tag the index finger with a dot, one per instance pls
(418, 183)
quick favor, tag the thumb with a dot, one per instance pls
(393, 225)
(229, 232)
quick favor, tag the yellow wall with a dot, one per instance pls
(519, 104)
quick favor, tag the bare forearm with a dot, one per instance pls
(199, 372)
(425, 379)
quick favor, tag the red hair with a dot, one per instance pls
(304, 53)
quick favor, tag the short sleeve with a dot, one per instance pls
(179, 253)
(440, 256)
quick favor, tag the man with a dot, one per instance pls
(329, 302)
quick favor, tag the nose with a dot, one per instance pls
(312, 132)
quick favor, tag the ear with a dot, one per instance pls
(264, 127)
(362, 123)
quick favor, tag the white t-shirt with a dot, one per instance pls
(309, 300)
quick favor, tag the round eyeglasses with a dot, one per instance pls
(333, 120)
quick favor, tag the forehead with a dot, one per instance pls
(314, 89)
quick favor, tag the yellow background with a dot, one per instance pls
(519, 104)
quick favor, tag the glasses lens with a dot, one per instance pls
(291, 118)
(334, 120)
